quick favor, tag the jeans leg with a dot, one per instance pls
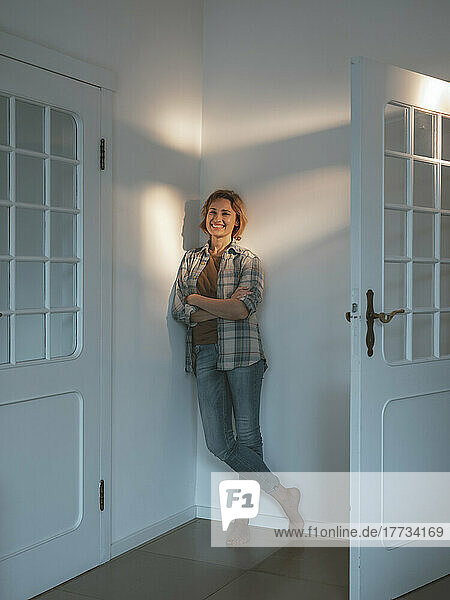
(245, 387)
(246, 406)
(214, 402)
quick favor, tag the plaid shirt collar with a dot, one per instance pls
(233, 247)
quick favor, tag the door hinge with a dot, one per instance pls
(102, 494)
(102, 154)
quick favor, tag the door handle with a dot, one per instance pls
(371, 315)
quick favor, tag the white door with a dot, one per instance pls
(400, 226)
(49, 329)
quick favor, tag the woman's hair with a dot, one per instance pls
(237, 205)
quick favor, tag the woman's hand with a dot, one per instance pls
(190, 299)
(240, 292)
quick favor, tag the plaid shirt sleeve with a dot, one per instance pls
(181, 311)
(252, 276)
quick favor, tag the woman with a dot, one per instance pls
(218, 289)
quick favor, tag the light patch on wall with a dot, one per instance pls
(178, 130)
(161, 212)
(267, 127)
(432, 94)
(298, 212)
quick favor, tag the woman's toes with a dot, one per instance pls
(238, 533)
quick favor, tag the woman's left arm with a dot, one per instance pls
(252, 277)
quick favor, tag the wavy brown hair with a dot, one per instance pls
(237, 205)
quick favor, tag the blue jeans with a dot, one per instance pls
(218, 393)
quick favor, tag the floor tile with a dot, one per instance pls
(264, 586)
(139, 575)
(437, 590)
(325, 565)
(194, 541)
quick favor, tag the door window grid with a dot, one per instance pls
(51, 329)
(422, 333)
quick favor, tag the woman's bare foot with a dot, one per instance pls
(289, 499)
(238, 532)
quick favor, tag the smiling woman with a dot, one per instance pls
(218, 290)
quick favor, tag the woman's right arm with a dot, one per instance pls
(181, 310)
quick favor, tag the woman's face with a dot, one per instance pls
(221, 214)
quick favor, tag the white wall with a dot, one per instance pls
(276, 128)
(155, 49)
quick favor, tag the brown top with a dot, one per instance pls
(205, 332)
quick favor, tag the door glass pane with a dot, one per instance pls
(4, 230)
(4, 286)
(445, 187)
(395, 119)
(29, 284)
(423, 190)
(394, 335)
(445, 236)
(394, 180)
(423, 133)
(4, 121)
(29, 126)
(423, 235)
(4, 340)
(29, 232)
(62, 285)
(445, 285)
(62, 134)
(446, 138)
(422, 338)
(38, 230)
(444, 334)
(29, 337)
(394, 233)
(4, 175)
(62, 238)
(29, 179)
(394, 286)
(423, 285)
(62, 189)
(63, 334)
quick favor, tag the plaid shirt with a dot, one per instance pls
(239, 341)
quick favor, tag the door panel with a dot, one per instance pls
(50, 331)
(400, 395)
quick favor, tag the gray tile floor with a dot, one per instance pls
(181, 565)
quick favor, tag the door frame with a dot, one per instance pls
(17, 48)
(355, 324)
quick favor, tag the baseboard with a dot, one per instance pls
(131, 542)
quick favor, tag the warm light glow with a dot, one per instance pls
(265, 127)
(162, 214)
(432, 93)
(176, 128)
